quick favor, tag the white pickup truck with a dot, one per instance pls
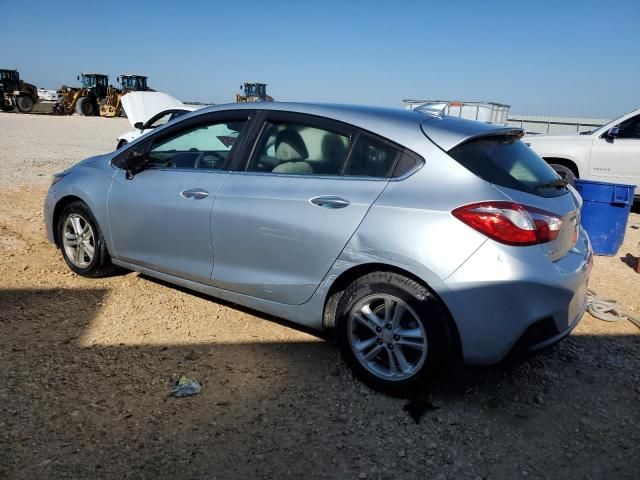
(610, 153)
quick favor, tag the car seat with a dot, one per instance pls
(291, 153)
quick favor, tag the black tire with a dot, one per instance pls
(8, 108)
(565, 172)
(86, 106)
(121, 144)
(25, 103)
(435, 321)
(100, 265)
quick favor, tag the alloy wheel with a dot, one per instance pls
(78, 240)
(387, 337)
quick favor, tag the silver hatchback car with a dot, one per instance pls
(417, 238)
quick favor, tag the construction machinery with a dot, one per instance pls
(253, 92)
(111, 105)
(16, 93)
(85, 99)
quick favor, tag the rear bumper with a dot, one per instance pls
(514, 297)
(544, 333)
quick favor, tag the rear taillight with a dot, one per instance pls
(511, 223)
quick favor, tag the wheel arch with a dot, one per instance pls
(342, 281)
(57, 211)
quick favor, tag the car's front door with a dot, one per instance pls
(617, 159)
(280, 224)
(161, 218)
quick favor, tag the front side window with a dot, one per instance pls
(630, 128)
(161, 120)
(206, 146)
(299, 149)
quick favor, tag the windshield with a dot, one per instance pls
(134, 83)
(254, 90)
(505, 160)
(88, 81)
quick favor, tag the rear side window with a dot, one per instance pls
(293, 148)
(504, 160)
(372, 158)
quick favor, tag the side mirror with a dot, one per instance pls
(613, 132)
(78, 78)
(134, 161)
(139, 125)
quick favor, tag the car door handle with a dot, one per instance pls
(195, 193)
(330, 201)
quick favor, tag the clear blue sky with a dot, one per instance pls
(543, 57)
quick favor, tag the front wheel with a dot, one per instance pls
(81, 242)
(565, 172)
(24, 103)
(86, 106)
(393, 332)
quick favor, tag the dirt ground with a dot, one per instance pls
(86, 369)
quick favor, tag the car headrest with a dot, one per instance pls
(290, 146)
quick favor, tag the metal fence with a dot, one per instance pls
(544, 124)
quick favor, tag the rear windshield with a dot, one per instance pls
(504, 160)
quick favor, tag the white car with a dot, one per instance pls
(149, 110)
(610, 153)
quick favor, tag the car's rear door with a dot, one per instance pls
(161, 218)
(280, 224)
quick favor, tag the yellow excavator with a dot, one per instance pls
(253, 92)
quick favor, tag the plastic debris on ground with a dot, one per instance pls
(185, 387)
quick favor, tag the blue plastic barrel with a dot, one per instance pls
(605, 211)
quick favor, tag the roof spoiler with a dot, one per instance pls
(449, 132)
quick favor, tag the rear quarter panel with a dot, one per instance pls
(410, 225)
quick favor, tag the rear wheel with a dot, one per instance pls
(392, 332)
(24, 103)
(6, 107)
(81, 242)
(86, 106)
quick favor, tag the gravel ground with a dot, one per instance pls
(36, 146)
(86, 369)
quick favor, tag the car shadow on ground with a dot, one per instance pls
(293, 410)
(322, 335)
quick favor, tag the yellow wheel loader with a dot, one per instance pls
(253, 92)
(111, 105)
(85, 99)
